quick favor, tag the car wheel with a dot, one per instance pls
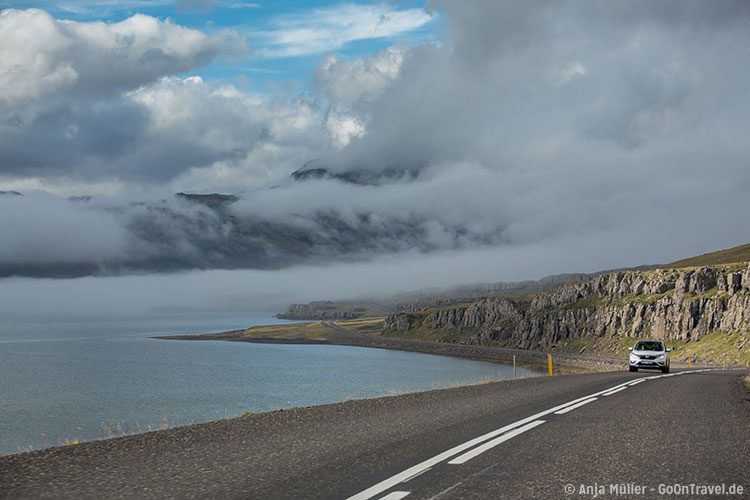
(665, 369)
(633, 368)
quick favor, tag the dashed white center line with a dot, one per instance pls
(415, 475)
(615, 391)
(461, 459)
(578, 405)
(395, 495)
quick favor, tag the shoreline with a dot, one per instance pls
(78, 446)
(563, 363)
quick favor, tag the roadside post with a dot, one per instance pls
(549, 364)
(514, 367)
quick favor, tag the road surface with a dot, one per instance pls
(531, 438)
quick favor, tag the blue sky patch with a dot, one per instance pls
(286, 38)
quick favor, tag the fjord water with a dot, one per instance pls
(97, 379)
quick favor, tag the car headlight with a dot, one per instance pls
(662, 356)
(633, 357)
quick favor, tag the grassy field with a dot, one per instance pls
(607, 346)
(364, 325)
(732, 348)
(715, 347)
(727, 256)
(313, 330)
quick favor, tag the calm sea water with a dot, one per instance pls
(92, 380)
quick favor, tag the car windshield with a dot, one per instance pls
(649, 346)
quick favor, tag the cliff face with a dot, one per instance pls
(683, 304)
(322, 310)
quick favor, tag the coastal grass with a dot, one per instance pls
(713, 348)
(314, 330)
(426, 332)
(363, 325)
(600, 346)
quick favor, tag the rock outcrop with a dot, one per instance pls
(669, 304)
(322, 310)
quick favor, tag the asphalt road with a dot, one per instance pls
(520, 439)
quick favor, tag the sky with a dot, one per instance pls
(282, 47)
(514, 139)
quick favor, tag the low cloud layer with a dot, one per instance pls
(45, 229)
(534, 138)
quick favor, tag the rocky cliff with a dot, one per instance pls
(671, 304)
(323, 310)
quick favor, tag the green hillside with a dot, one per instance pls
(727, 256)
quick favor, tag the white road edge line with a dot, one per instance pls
(578, 405)
(491, 444)
(422, 466)
(396, 495)
(615, 391)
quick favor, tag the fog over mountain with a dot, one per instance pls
(529, 138)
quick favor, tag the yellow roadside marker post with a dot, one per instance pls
(549, 364)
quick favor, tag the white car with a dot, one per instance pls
(652, 354)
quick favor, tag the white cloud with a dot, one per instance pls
(41, 56)
(343, 128)
(196, 125)
(350, 87)
(325, 29)
(102, 99)
(350, 82)
(572, 70)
